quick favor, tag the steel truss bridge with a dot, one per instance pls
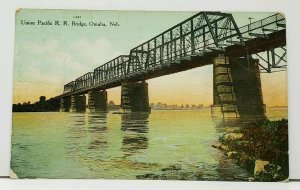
(189, 44)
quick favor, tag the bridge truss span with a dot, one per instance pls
(114, 69)
(192, 43)
(192, 37)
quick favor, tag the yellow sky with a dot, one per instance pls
(179, 88)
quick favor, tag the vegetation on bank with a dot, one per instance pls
(261, 148)
(42, 105)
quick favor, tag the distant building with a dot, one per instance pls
(42, 99)
(112, 106)
(111, 103)
(164, 106)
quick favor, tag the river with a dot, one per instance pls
(114, 146)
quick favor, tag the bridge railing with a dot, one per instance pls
(113, 69)
(194, 35)
(69, 87)
(267, 25)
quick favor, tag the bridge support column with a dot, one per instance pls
(77, 103)
(65, 104)
(97, 101)
(237, 88)
(134, 97)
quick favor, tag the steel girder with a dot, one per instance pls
(84, 81)
(273, 60)
(113, 69)
(198, 35)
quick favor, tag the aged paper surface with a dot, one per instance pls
(150, 95)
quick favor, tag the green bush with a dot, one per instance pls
(272, 173)
(265, 140)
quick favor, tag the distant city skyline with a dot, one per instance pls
(111, 103)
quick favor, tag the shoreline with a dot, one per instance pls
(261, 148)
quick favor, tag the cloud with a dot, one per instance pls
(96, 52)
(66, 61)
(49, 64)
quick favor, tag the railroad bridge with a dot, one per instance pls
(238, 55)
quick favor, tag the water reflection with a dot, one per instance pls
(97, 128)
(87, 138)
(97, 122)
(79, 119)
(229, 125)
(135, 128)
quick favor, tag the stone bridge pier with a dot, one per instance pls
(134, 96)
(97, 101)
(65, 104)
(78, 103)
(237, 88)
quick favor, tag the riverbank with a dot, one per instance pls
(260, 147)
(200, 171)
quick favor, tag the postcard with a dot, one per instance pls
(150, 95)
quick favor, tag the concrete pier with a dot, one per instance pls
(237, 88)
(134, 97)
(97, 101)
(65, 104)
(78, 103)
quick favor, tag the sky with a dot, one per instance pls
(47, 57)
